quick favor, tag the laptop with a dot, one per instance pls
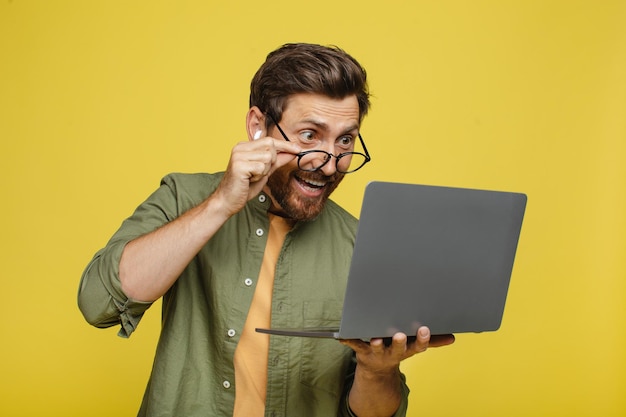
(427, 255)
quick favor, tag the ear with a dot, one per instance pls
(255, 122)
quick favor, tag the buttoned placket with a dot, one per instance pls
(248, 283)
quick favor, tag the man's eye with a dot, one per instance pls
(307, 136)
(345, 141)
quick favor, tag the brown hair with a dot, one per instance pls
(307, 68)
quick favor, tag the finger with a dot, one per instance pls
(356, 345)
(281, 160)
(251, 164)
(286, 147)
(422, 340)
(278, 145)
(398, 344)
(377, 345)
(274, 152)
(258, 170)
(267, 144)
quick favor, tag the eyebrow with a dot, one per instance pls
(324, 126)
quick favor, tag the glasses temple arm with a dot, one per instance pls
(364, 148)
(278, 126)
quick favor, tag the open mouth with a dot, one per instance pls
(311, 186)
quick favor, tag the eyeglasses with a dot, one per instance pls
(315, 159)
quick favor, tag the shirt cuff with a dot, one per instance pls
(400, 412)
(131, 313)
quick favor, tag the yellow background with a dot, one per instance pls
(99, 99)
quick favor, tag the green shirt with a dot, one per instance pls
(204, 311)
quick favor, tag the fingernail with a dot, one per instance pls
(424, 332)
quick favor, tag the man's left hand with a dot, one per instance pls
(376, 356)
(376, 390)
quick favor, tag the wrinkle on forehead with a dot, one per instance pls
(323, 111)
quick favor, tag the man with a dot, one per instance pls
(257, 245)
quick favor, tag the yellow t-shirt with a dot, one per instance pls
(252, 350)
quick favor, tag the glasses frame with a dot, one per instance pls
(330, 155)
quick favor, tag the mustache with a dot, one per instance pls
(318, 176)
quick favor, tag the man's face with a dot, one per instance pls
(314, 122)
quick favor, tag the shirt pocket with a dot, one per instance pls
(323, 361)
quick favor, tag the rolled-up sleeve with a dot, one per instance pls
(346, 411)
(344, 406)
(100, 295)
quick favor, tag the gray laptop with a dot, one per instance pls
(426, 255)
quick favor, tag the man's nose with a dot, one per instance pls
(331, 166)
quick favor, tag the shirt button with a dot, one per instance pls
(259, 232)
(226, 384)
(262, 198)
(248, 282)
(231, 332)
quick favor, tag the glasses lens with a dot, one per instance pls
(346, 163)
(313, 160)
(350, 162)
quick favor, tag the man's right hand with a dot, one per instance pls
(250, 165)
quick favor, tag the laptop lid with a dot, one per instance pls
(427, 255)
(435, 256)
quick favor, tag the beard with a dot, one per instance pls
(293, 204)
